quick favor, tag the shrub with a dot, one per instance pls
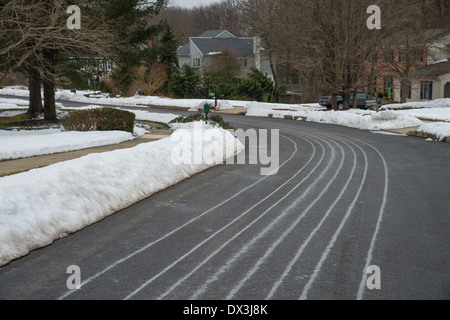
(190, 118)
(200, 117)
(220, 122)
(114, 119)
(83, 120)
(102, 119)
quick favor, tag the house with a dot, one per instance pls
(429, 82)
(94, 69)
(382, 73)
(201, 50)
(401, 58)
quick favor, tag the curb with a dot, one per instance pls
(426, 135)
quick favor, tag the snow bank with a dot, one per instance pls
(378, 121)
(151, 116)
(438, 103)
(29, 143)
(6, 103)
(42, 205)
(221, 105)
(259, 109)
(354, 118)
(18, 91)
(440, 129)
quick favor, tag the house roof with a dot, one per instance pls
(239, 46)
(215, 34)
(433, 70)
(216, 41)
(184, 50)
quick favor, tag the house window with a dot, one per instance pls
(244, 62)
(403, 56)
(101, 66)
(108, 65)
(196, 62)
(426, 90)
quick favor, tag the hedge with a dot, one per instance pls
(101, 119)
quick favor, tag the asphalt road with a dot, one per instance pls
(342, 200)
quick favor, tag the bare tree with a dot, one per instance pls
(421, 26)
(264, 18)
(329, 41)
(150, 78)
(189, 22)
(33, 32)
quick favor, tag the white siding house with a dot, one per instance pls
(250, 52)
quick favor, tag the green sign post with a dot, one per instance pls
(213, 95)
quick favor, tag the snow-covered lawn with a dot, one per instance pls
(42, 205)
(28, 143)
(441, 114)
(438, 103)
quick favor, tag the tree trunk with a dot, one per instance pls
(334, 101)
(372, 84)
(355, 99)
(34, 86)
(404, 90)
(346, 98)
(49, 89)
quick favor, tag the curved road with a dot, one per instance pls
(343, 200)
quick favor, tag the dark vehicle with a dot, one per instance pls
(363, 101)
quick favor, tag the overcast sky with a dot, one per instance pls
(191, 3)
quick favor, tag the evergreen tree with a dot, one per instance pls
(186, 85)
(168, 49)
(134, 34)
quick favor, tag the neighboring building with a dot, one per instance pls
(386, 66)
(95, 69)
(250, 52)
(425, 73)
(429, 82)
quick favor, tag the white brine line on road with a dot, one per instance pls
(362, 285)
(338, 231)
(289, 230)
(295, 223)
(118, 262)
(180, 281)
(213, 235)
